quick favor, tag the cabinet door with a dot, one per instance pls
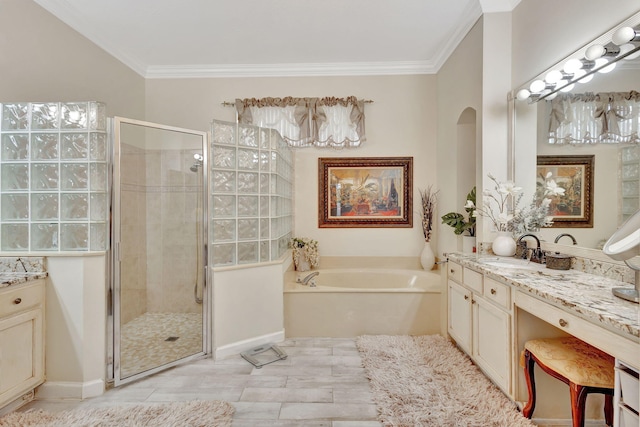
(491, 342)
(459, 315)
(22, 354)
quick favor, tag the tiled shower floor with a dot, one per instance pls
(150, 340)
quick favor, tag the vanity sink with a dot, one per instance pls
(515, 263)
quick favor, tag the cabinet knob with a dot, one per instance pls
(17, 300)
(563, 322)
(466, 297)
(493, 291)
(452, 271)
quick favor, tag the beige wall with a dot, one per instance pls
(44, 60)
(400, 122)
(459, 89)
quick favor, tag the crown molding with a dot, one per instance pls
(62, 10)
(290, 70)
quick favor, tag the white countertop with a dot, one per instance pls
(586, 295)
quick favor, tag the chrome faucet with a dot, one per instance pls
(537, 254)
(560, 236)
(305, 280)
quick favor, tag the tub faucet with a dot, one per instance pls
(537, 255)
(560, 236)
(305, 280)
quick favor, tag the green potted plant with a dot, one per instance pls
(462, 223)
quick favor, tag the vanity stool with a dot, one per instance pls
(583, 367)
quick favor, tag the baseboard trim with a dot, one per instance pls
(56, 390)
(240, 346)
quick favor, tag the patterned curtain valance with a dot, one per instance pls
(591, 118)
(308, 122)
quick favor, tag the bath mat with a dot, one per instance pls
(198, 413)
(426, 381)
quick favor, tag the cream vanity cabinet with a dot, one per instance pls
(21, 341)
(479, 320)
(627, 396)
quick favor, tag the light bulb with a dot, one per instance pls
(553, 76)
(537, 86)
(624, 35)
(572, 65)
(552, 96)
(523, 94)
(627, 48)
(608, 68)
(567, 88)
(586, 79)
(594, 52)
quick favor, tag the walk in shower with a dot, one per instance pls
(159, 256)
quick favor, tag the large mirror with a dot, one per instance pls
(616, 167)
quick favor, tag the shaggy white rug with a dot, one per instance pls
(175, 414)
(426, 381)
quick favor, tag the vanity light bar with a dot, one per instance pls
(598, 58)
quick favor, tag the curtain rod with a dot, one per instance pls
(233, 104)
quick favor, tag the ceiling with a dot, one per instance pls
(221, 38)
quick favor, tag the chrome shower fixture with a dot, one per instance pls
(198, 158)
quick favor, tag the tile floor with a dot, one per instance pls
(320, 384)
(145, 340)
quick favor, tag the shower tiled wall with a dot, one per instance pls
(133, 267)
(53, 171)
(252, 190)
(173, 196)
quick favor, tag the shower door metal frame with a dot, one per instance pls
(113, 297)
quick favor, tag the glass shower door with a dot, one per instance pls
(159, 254)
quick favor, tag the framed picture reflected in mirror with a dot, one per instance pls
(574, 174)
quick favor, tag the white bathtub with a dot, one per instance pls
(352, 302)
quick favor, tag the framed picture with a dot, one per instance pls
(575, 174)
(365, 192)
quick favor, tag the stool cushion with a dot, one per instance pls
(575, 360)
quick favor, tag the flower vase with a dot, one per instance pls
(468, 244)
(504, 244)
(300, 261)
(427, 258)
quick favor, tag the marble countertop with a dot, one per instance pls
(14, 271)
(10, 279)
(586, 295)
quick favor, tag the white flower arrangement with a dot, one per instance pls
(307, 248)
(501, 206)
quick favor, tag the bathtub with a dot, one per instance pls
(352, 302)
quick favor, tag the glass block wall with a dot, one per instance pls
(53, 171)
(251, 204)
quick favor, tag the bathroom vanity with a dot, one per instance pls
(495, 305)
(22, 305)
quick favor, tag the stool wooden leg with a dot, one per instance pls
(608, 409)
(529, 364)
(578, 399)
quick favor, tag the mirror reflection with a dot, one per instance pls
(616, 171)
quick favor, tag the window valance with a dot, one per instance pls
(308, 122)
(590, 118)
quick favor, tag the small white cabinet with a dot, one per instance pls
(21, 341)
(626, 395)
(479, 320)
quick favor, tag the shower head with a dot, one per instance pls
(198, 158)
